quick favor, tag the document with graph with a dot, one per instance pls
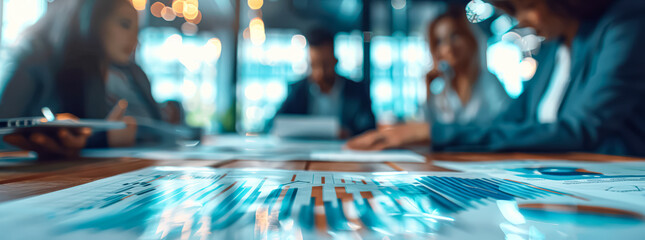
(620, 181)
(206, 203)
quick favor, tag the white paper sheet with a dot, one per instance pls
(205, 203)
(306, 127)
(367, 156)
(264, 148)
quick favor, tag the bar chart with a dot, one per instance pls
(204, 203)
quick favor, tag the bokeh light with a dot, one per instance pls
(256, 31)
(478, 11)
(299, 41)
(191, 9)
(190, 15)
(528, 67)
(213, 48)
(139, 5)
(504, 60)
(178, 6)
(383, 90)
(191, 56)
(168, 14)
(197, 19)
(276, 91)
(255, 4)
(399, 4)
(207, 91)
(156, 9)
(188, 89)
(189, 28)
(382, 52)
(254, 92)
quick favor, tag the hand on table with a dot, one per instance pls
(391, 137)
(56, 143)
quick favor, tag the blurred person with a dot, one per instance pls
(77, 60)
(587, 95)
(470, 92)
(325, 93)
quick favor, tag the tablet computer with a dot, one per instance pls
(8, 126)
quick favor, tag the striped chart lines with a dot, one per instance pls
(270, 204)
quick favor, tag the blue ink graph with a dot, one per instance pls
(174, 203)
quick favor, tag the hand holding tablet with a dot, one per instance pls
(60, 136)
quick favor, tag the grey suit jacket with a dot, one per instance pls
(603, 110)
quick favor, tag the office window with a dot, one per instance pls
(183, 68)
(399, 66)
(17, 15)
(265, 72)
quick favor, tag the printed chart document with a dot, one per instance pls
(206, 203)
(620, 181)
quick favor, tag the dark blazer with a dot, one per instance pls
(356, 111)
(603, 109)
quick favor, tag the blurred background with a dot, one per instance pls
(230, 62)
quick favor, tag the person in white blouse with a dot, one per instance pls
(461, 90)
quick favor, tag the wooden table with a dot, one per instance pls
(32, 177)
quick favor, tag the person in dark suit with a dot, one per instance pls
(587, 95)
(325, 93)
